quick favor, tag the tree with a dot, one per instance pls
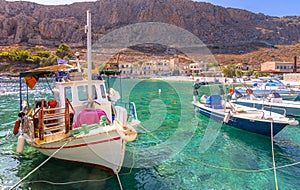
(229, 70)
(238, 73)
(210, 65)
(249, 72)
(47, 61)
(176, 73)
(63, 51)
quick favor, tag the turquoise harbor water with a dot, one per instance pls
(178, 150)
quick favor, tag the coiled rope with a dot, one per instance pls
(14, 186)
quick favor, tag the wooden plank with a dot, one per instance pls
(53, 137)
(54, 128)
(53, 109)
(53, 124)
(53, 116)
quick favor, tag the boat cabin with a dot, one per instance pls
(77, 93)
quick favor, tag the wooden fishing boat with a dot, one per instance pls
(81, 123)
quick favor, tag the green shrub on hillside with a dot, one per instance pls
(4, 55)
(19, 55)
(43, 53)
(40, 56)
(63, 51)
(47, 61)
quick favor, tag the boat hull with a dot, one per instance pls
(104, 150)
(286, 95)
(289, 111)
(254, 126)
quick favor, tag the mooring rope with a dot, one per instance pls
(273, 157)
(70, 182)
(88, 180)
(49, 85)
(120, 184)
(14, 186)
(221, 167)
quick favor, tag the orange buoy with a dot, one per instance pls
(17, 126)
(231, 90)
(30, 81)
(249, 91)
(52, 104)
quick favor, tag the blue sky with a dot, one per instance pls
(267, 7)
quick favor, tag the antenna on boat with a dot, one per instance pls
(89, 54)
(118, 58)
(77, 61)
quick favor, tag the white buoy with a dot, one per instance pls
(20, 144)
(159, 91)
(227, 117)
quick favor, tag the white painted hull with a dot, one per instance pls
(104, 149)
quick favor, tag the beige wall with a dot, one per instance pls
(277, 66)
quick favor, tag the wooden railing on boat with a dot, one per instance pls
(52, 124)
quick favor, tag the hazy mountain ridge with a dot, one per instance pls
(216, 26)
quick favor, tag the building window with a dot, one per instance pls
(284, 67)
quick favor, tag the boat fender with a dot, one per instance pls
(20, 144)
(227, 117)
(249, 91)
(17, 126)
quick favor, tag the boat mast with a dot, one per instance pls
(89, 55)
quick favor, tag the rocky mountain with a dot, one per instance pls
(224, 30)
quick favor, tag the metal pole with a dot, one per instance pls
(121, 86)
(89, 55)
(20, 93)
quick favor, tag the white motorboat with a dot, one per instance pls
(273, 102)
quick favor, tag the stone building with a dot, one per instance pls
(277, 67)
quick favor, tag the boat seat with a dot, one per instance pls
(239, 110)
(89, 117)
(214, 101)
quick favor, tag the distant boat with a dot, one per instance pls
(242, 117)
(2, 90)
(265, 86)
(262, 87)
(273, 102)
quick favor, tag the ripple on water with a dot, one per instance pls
(158, 161)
